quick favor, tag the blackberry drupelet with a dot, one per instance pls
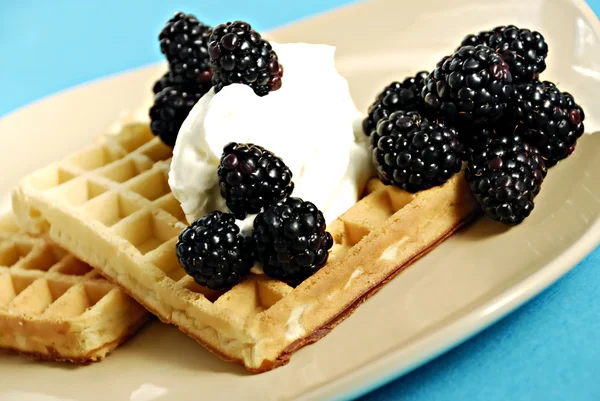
(414, 154)
(523, 50)
(252, 178)
(505, 176)
(213, 252)
(472, 86)
(405, 96)
(184, 41)
(238, 54)
(548, 119)
(290, 240)
(171, 107)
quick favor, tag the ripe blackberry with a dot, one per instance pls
(252, 178)
(482, 38)
(474, 137)
(471, 86)
(523, 50)
(213, 252)
(171, 107)
(548, 119)
(238, 54)
(405, 96)
(414, 154)
(290, 240)
(184, 41)
(505, 176)
(162, 83)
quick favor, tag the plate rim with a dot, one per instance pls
(395, 364)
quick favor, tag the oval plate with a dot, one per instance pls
(464, 285)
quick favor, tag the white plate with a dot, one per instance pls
(464, 285)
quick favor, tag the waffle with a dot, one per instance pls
(54, 306)
(111, 205)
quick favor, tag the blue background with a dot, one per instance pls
(547, 350)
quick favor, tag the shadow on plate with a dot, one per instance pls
(164, 344)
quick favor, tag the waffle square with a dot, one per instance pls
(110, 204)
(54, 306)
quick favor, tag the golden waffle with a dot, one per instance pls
(54, 306)
(111, 205)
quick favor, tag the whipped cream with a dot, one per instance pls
(311, 123)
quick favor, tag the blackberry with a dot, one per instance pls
(162, 83)
(184, 41)
(405, 96)
(523, 50)
(171, 107)
(238, 54)
(548, 119)
(482, 38)
(213, 252)
(471, 86)
(290, 240)
(252, 178)
(473, 138)
(170, 80)
(414, 154)
(505, 176)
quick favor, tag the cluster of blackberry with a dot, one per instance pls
(288, 237)
(201, 57)
(184, 42)
(483, 104)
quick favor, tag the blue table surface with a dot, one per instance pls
(546, 350)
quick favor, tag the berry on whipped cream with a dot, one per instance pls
(311, 122)
(252, 178)
(238, 54)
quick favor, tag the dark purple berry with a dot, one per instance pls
(290, 240)
(547, 118)
(184, 41)
(170, 109)
(505, 175)
(472, 86)
(413, 153)
(213, 252)
(403, 96)
(239, 55)
(251, 178)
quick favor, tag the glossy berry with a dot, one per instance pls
(213, 252)
(184, 42)
(238, 54)
(252, 178)
(505, 176)
(474, 137)
(547, 118)
(414, 154)
(523, 50)
(164, 82)
(290, 240)
(403, 96)
(481, 38)
(170, 109)
(472, 86)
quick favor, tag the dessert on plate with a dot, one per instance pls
(54, 306)
(259, 207)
